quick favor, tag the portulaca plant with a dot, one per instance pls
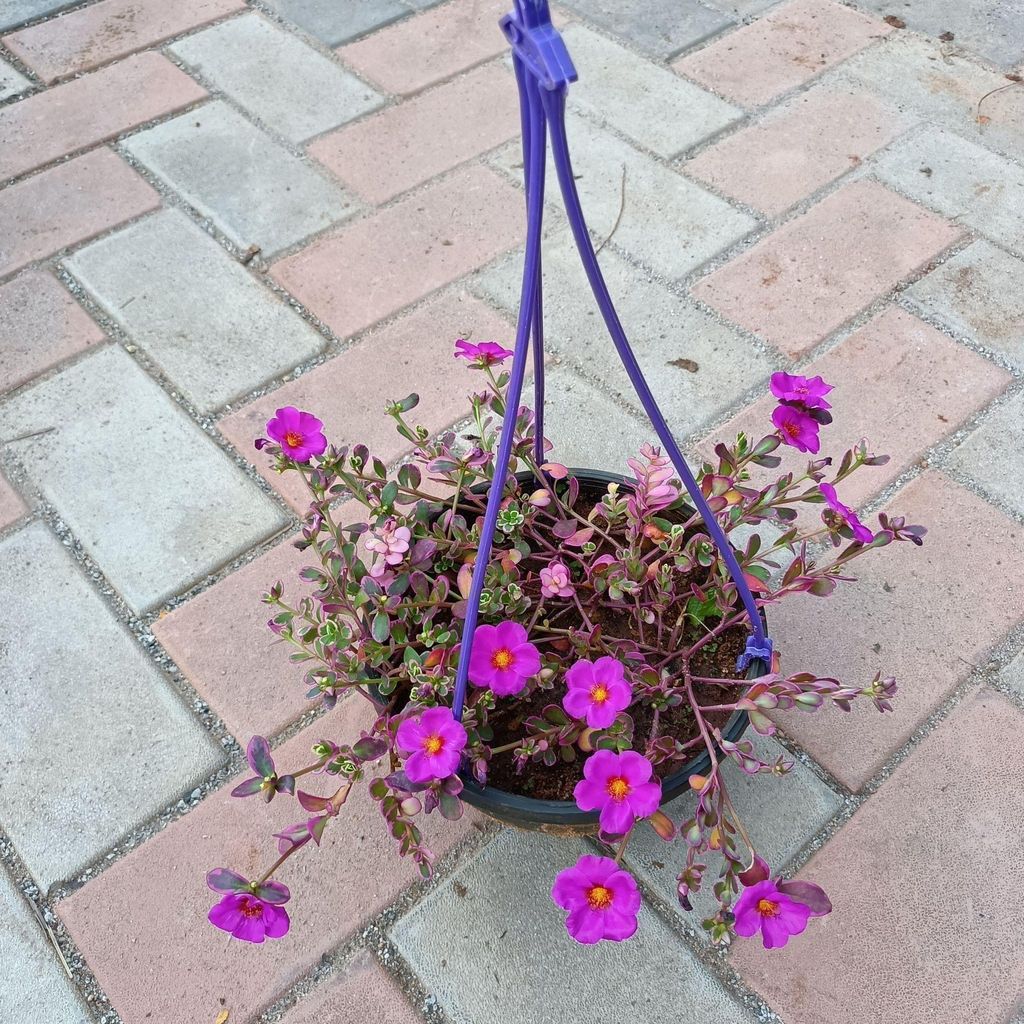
(605, 660)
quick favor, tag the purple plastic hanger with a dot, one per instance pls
(543, 71)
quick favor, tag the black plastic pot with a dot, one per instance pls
(563, 817)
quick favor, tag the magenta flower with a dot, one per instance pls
(300, 434)
(483, 353)
(763, 907)
(809, 392)
(796, 428)
(432, 744)
(860, 531)
(555, 580)
(251, 912)
(502, 658)
(601, 898)
(390, 541)
(620, 787)
(598, 691)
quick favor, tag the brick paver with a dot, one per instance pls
(12, 505)
(212, 329)
(645, 102)
(58, 683)
(945, 862)
(84, 419)
(361, 990)
(90, 110)
(429, 47)
(881, 394)
(960, 180)
(799, 147)
(905, 615)
(251, 187)
(68, 204)
(990, 457)
(335, 889)
(405, 145)
(87, 38)
(978, 294)
(667, 222)
(345, 391)
(491, 914)
(42, 325)
(32, 985)
(273, 74)
(659, 29)
(425, 240)
(779, 814)
(12, 81)
(815, 272)
(335, 23)
(788, 46)
(664, 331)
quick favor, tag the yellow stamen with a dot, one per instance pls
(599, 897)
(618, 787)
(433, 744)
(501, 658)
(251, 908)
(767, 908)
(292, 439)
(599, 693)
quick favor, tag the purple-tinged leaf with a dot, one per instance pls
(259, 757)
(316, 828)
(809, 894)
(757, 872)
(286, 784)
(273, 892)
(450, 807)
(224, 880)
(292, 836)
(248, 788)
(312, 803)
(369, 748)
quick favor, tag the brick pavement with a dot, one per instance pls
(213, 207)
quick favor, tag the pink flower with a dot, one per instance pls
(860, 531)
(796, 428)
(300, 434)
(620, 786)
(764, 907)
(502, 658)
(598, 691)
(601, 898)
(809, 392)
(432, 744)
(249, 918)
(391, 542)
(483, 353)
(555, 581)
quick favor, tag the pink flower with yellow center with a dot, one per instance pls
(300, 434)
(555, 580)
(483, 353)
(796, 428)
(597, 691)
(431, 744)
(763, 907)
(503, 658)
(809, 392)
(620, 787)
(602, 900)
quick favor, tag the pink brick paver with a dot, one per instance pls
(90, 110)
(346, 394)
(142, 927)
(883, 393)
(87, 38)
(361, 993)
(68, 204)
(12, 505)
(221, 642)
(788, 46)
(41, 325)
(809, 277)
(798, 148)
(429, 47)
(926, 884)
(925, 615)
(377, 265)
(405, 145)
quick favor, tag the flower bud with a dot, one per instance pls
(698, 783)
(663, 825)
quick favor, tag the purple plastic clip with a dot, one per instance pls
(543, 71)
(757, 648)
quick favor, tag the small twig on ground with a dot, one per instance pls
(41, 921)
(1013, 80)
(618, 219)
(25, 437)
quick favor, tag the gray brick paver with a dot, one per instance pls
(339, 21)
(94, 740)
(492, 947)
(277, 77)
(149, 497)
(12, 81)
(16, 12)
(214, 330)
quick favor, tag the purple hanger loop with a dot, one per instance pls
(544, 71)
